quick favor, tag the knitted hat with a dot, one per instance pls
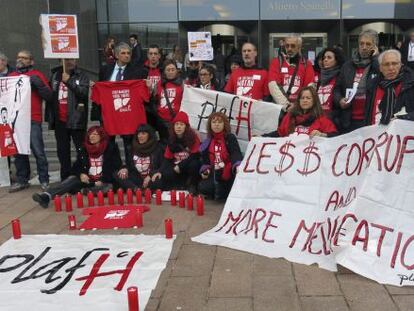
(181, 117)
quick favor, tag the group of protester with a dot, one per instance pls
(162, 151)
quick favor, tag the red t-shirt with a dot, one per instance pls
(184, 154)
(247, 82)
(36, 100)
(7, 143)
(322, 124)
(379, 94)
(63, 102)
(358, 102)
(175, 95)
(122, 105)
(154, 75)
(283, 74)
(325, 94)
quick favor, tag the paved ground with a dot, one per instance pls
(202, 277)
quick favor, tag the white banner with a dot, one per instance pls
(346, 200)
(63, 272)
(199, 46)
(248, 117)
(59, 36)
(15, 108)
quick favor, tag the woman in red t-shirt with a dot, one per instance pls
(181, 157)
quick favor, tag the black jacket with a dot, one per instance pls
(156, 158)
(137, 57)
(78, 93)
(345, 80)
(131, 72)
(111, 163)
(404, 54)
(405, 97)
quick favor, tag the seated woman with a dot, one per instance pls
(182, 156)
(93, 170)
(207, 78)
(306, 117)
(147, 156)
(220, 157)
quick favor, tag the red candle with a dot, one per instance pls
(100, 198)
(110, 195)
(190, 202)
(130, 196)
(68, 203)
(17, 233)
(158, 199)
(200, 205)
(58, 203)
(120, 194)
(173, 195)
(138, 195)
(133, 304)
(139, 218)
(90, 199)
(79, 200)
(181, 199)
(148, 196)
(168, 228)
(72, 222)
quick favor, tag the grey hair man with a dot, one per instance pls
(5, 69)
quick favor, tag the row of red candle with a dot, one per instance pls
(190, 201)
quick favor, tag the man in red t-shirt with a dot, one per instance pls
(153, 66)
(40, 91)
(289, 73)
(249, 80)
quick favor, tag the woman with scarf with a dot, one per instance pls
(147, 156)
(332, 60)
(168, 97)
(93, 170)
(306, 117)
(220, 157)
(207, 78)
(181, 157)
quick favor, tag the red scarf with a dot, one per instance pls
(219, 155)
(96, 150)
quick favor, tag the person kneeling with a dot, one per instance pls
(93, 170)
(220, 156)
(182, 156)
(147, 155)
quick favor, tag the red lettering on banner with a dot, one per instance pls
(396, 250)
(284, 151)
(95, 273)
(404, 250)
(309, 231)
(350, 154)
(339, 231)
(376, 152)
(248, 161)
(255, 222)
(364, 239)
(247, 214)
(308, 151)
(261, 156)
(383, 229)
(336, 159)
(230, 217)
(337, 201)
(387, 153)
(365, 153)
(313, 237)
(246, 118)
(404, 150)
(269, 224)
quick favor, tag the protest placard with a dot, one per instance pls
(248, 117)
(199, 46)
(345, 200)
(59, 36)
(51, 272)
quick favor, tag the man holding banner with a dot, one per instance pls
(40, 91)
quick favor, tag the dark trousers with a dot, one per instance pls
(73, 184)
(188, 176)
(215, 188)
(37, 146)
(63, 137)
(135, 181)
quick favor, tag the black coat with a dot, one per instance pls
(405, 97)
(78, 93)
(345, 80)
(111, 163)
(404, 54)
(137, 57)
(156, 158)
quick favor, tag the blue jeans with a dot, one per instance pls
(38, 148)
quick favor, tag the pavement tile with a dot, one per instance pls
(229, 304)
(314, 281)
(323, 303)
(404, 302)
(364, 294)
(194, 260)
(185, 294)
(163, 280)
(152, 304)
(271, 267)
(405, 290)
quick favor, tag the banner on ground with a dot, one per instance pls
(51, 272)
(346, 200)
(15, 108)
(59, 36)
(248, 117)
(199, 46)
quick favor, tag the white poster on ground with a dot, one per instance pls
(93, 272)
(346, 200)
(199, 46)
(248, 117)
(15, 108)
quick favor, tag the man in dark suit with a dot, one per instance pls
(121, 70)
(137, 57)
(407, 51)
